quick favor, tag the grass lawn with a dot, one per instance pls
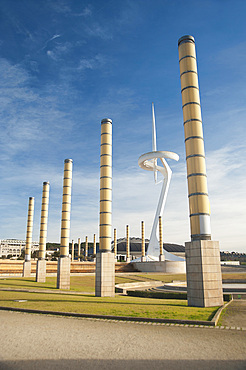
(84, 283)
(120, 305)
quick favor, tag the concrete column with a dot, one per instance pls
(72, 251)
(128, 255)
(29, 230)
(115, 244)
(204, 282)
(161, 256)
(41, 263)
(105, 266)
(86, 247)
(79, 249)
(143, 258)
(63, 268)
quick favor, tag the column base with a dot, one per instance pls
(128, 259)
(161, 257)
(41, 271)
(27, 269)
(143, 259)
(105, 275)
(63, 273)
(203, 271)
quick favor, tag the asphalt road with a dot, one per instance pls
(31, 342)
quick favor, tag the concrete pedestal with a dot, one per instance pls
(63, 273)
(41, 271)
(161, 257)
(143, 259)
(27, 269)
(105, 274)
(204, 280)
(128, 259)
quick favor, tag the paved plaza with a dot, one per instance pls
(31, 341)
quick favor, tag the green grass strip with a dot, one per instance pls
(118, 306)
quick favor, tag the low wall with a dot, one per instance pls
(15, 267)
(138, 285)
(171, 267)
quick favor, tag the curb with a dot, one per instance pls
(216, 317)
(45, 291)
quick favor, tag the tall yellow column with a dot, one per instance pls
(72, 251)
(105, 269)
(41, 263)
(79, 249)
(128, 256)
(204, 283)
(105, 186)
(115, 243)
(29, 231)
(161, 256)
(194, 143)
(63, 268)
(86, 247)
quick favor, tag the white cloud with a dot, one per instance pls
(92, 63)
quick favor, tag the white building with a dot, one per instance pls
(15, 247)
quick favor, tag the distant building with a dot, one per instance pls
(15, 247)
(136, 248)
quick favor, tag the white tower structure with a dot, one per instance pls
(148, 161)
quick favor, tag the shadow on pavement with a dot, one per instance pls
(121, 364)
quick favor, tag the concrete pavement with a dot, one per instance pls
(30, 341)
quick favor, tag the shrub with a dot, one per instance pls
(159, 295)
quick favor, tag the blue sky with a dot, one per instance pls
(66, 64)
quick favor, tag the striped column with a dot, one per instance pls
(203, 270)
(94, 245)
(29, 230)
(79, 248)
(127, 244)
(41, 263)
(105, 266)
(161, 256)
(105, 186)
(63, 267)
(44, 220)
(66, 207)
(194, 143)
(72, 250)
(143, 259)
(86, 247)
(115, 243)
